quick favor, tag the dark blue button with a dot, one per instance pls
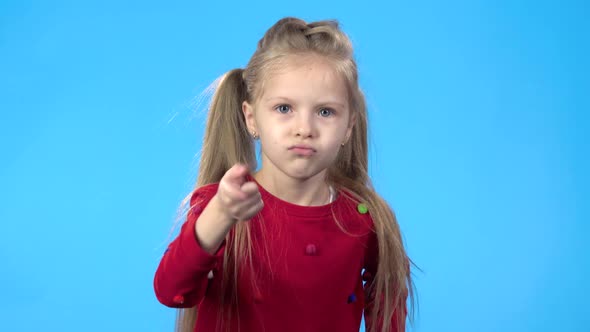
(351, 298)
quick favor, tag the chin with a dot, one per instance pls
(301, 169)
(302, 173)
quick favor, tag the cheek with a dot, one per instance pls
(268, 132)
(274, 130)
(270, 138)
(336, 134)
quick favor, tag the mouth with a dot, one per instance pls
(301, 149)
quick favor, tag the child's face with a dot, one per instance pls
(303, 104)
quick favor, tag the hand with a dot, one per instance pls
(239, 199)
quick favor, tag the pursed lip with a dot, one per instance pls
(302, 146)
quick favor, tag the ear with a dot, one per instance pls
(351, 124)
(248, 111)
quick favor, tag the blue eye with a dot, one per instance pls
(283, 109)
(325, 112)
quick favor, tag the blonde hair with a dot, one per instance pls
(226, 127)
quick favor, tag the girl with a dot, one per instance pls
(283, 249)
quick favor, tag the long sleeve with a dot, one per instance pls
(182, 276)
(371, 262)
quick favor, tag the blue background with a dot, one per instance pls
(479, 141)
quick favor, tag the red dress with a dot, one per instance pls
(307, 271)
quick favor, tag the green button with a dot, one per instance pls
(362, 208)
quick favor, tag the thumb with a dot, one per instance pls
(237, 174)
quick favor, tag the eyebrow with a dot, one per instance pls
(328, 102)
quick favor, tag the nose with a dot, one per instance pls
(305, 125)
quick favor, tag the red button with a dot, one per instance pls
(311, 250)
(178, 299)
(257, 296)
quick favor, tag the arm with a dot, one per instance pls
(181, 278)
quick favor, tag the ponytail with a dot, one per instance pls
(226, 143)
(227, 140)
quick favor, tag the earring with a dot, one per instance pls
(342, 144)
(254, 135)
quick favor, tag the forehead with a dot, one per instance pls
(305, 77)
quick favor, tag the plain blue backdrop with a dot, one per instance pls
(479, 141)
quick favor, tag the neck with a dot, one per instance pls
(313, 191)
